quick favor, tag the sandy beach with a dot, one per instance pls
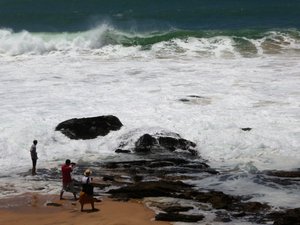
(31, 209)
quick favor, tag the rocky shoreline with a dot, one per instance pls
(165, 177)
(162, 166)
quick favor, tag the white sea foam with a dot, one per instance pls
(143, 89)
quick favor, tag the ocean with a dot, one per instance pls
(235, 64)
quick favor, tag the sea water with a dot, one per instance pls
(203, 70)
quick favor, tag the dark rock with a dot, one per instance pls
(185, 144)
(150, 189)
(159, 143)
(220, 201)
(172, 143)
(240, 214)
(290, 217)
(195, 96)
(217, 199)
(168, 143)
(211, 171)
(144, 143)
(246, 129)
(222, 216)
(148, 143)
(253, 207)
(54, 204)
(161, 164)
(122, 151)
(137, 178)
(184, 100)
(178, 217)
(280, 173)
(173, 209)
(89, 128)
(108, 178)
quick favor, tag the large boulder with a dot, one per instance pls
(89, 128)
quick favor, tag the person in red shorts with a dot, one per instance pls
(67, 181)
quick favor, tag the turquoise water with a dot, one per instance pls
(43, 26)
(155, 15)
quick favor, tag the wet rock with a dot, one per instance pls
(220, 201)
(253, 207)
(290, 217)
(176, 209)
(150, 189)
(177, 217)
(172, 143)
(89, 128)
(195, 96)
(148, 143)
(145, 143)
(54, 204)
(281, 173)
(184, 100)
(108, 178)
(122, 151)
(222, 216)
(217, 199)
(161, 164)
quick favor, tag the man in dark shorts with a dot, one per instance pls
(67, 182)
(34, 157)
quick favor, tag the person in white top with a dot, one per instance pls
(87, 191)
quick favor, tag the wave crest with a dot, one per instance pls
(107, 40)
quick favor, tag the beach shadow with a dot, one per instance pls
(90, 210)
(69, 199)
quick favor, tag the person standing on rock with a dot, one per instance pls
(67, 181)
(34, 157)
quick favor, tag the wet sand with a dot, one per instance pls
(32, 209)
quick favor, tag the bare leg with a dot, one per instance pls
(33, 171)
(92, 204)
(75, 198)
(61, 194)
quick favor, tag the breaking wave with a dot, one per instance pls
(105, 39)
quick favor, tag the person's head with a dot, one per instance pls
(87, 172)
(68, 162)
(35, 142)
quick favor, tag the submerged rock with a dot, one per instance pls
(89, 128)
